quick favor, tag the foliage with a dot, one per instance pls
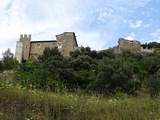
(8, 62)
(22, 104)
(1, 65)
(93, 72)
(154, 44)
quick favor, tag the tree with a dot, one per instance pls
(1, 65)
(8, 60)
(152, 73)
(154, 84)
(48, 53)
(154, 45)
(115, 74)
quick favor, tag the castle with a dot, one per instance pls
(25, 48)
(131, 45)
(66, 42)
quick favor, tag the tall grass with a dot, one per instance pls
(23, 104)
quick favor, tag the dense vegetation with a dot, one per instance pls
(90, 71)
(8, 61)
(23, 104)
(85, 85)
(103, 72)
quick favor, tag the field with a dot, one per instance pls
(25, 104)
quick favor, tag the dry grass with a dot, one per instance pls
(23, 104)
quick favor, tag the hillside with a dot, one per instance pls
(27, 104)
(87, 85)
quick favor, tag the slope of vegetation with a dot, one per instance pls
(85, 85)
(23, 104)
(104, 72)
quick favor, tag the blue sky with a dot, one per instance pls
(96, 23)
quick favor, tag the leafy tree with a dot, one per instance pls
(84, 51)
(8, 60)
(1, 65)
(49, 52)
(154, 45)
(54, 65)
(75, 54)
(151, 67)
(106, 53)
(115, 74)
(154, 84)
(103, 71)
(33, 74)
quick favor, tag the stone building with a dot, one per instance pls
(127, 45)
(146, 49)
(25, 48)
(131, 45)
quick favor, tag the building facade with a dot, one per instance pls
(132, 46)
(127, 45)
(25, 48)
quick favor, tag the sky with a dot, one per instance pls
(97, 23)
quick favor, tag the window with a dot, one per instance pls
(38, 46)
(59, 45)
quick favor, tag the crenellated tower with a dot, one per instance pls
(26, 49)
(26, 40)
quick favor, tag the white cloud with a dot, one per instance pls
(94, 22)
(131, 37)
(147, 25)
(91, 39)
(136, 25)
(156, 35)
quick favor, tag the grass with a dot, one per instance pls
(23, 104)
(26, 104)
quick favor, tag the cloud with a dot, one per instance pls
(93, 39)
(96, 23)
(156, 35)
(131, 36)
(147, 25)
(136, 25)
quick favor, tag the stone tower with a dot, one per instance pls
(19, 51)
(25, 39)
(66, 42)
(26, 49)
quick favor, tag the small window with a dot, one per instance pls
(38, 46)
(59, 44)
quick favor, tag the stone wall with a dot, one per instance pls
(127, 45)
(19, 51)
(37, 47)
(147, 50)
(26, 45)
(66, 42)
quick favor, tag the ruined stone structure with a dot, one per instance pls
(131, 45)
(146, 49)
(66, 42)
(127, 45)
(25, 48)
